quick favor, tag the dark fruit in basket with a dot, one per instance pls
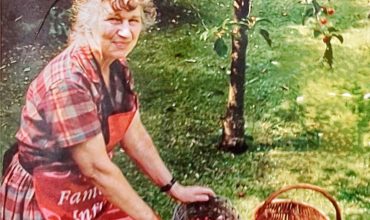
(215, 209)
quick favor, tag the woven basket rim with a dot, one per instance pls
(224, 199)
(287, 201)
(302, 186)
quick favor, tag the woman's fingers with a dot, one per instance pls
(201, 198)
(201, 194)
(192, 193)
(208, 191)
(203, 190)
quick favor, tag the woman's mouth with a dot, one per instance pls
(120, 45)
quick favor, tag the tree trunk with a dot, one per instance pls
(233, 124)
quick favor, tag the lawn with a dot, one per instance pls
(306, 123)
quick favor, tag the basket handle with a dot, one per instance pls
(305, 186)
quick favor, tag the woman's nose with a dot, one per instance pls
(125, 31)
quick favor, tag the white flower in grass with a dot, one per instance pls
(367, 96)
(300, 99)
(347, 94)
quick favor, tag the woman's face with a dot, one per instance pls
(119, 31)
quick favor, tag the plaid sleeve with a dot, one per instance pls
(70, 113)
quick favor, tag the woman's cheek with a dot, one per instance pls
(137, 30)
(110, 32)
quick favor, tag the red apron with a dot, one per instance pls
(62, 193)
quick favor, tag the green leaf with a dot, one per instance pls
(246, 24)
(316, 33)
(316, 6)
(204, 35)
(258, 19)
(340, 37)
(325, 10)
(332, 29)
(212, 31)
(225, 22)
(308, 13)
(220, 47)
(266, 35)
(328, 55)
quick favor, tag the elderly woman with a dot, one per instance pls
(77, 110)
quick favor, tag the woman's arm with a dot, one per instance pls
(138, 144)
(94, 163)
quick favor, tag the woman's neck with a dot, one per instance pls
(104, 64)
(104, 67)
(105, 71)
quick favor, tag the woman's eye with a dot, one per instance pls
(114, 20)
(134, 21)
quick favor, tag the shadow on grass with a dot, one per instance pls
(355, 194)
(176, 13)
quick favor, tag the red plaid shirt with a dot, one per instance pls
(63, 106)
(62, 109)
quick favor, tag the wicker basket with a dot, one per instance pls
(284, 209)
(216, 208)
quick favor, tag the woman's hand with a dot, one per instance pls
(187, 194)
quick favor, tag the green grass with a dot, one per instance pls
(183, 86)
